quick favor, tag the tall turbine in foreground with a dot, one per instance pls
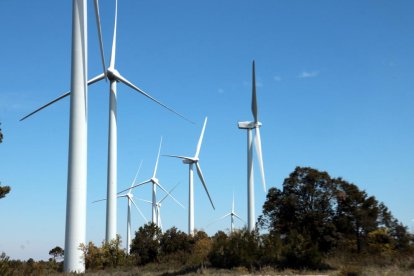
(249, 126)
(114, 76)
(194, 161)
(76, 191)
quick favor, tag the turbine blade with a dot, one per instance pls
(176, 201)
(179, 156)
(93, 80)
(200, 140)
(200, 174)
(126, 82)
(234, 214)
(46, 105)
(254, 101)
(258, 145)
(98, 23)
(144, 200)
(217, 220)
(134, 186)
(158, 157)
(225, 216)
(113, 50)
(169, 192)
(96, 79)
(136, 175)
(139, 210)
(232, 205)
(104, 199)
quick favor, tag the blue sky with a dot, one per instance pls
(335, 92)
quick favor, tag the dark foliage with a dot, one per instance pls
(4, 190)
(316, 214)
(314, 218)
(146, 244)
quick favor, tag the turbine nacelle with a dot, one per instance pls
(249, 125)
(189, 160)
(154, 180)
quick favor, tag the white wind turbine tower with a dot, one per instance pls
(129, 196)
(258, 145)
(75, 231)
(194, 161)
(155, 182)
(232, 215)
(114, 76)
(158, 207)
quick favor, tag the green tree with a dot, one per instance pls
(218, 250)
(240, 248)
(174, 240)
(108, 255)
(57, 253)
(5, 189)
(305, 205)
(357, 214)
(315, 214)
(146, 244)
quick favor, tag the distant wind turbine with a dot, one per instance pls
(114, 76)
(232, 215)
(129, 196)
(191, 161)
(258, 145)
(158, 207)
(155, 182)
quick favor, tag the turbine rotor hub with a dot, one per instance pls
(111, 74)
(249, 125)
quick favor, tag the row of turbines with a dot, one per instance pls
(75, 232)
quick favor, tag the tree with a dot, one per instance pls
(109, 254)
(200, 251)
(357, 214)
(4, 190)
(146, 244)
(174, 240)
(316, 214)
(57, 253)
(217, 255)
(305, 206)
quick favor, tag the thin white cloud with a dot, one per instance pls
(308, 74)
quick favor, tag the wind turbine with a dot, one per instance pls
(155, 182)
(129, 196)
(158, 207)
(194, 161)
(232, 215)
(114, 76)
(258, 145)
